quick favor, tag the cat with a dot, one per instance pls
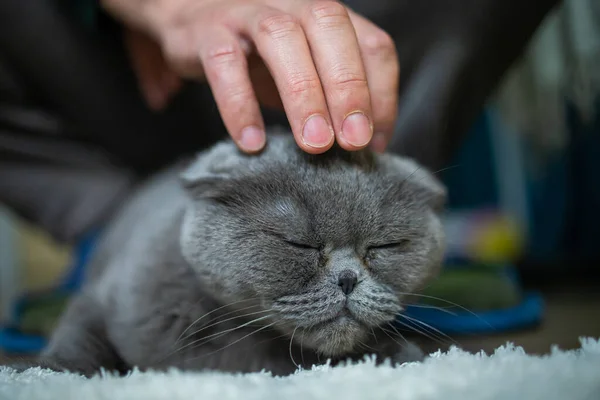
(243, 263)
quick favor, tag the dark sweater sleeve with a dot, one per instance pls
(452, 55)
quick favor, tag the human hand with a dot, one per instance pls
(335, 73)
(156, 80)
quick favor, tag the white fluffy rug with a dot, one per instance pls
(507, 374)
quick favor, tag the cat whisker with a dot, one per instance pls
(449, 302)
(422, 332)
(225, 320)
(390, 336)
(429, 327)
(442, 309)
(211, 312)
(238, 340)
(366, 346)
(217, 321)
(190, 309)
(291, 341)
(374, 335)
(432, 173)
(409, 176)
(445, 169)
(273, 338)
(397, 332)
(301, 349)
(205, 339)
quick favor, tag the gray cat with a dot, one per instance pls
(241, 263)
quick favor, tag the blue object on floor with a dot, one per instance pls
(13, 341)
(528, 313)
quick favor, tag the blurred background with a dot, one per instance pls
(500, 99)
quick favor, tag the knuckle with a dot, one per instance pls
(328, 13)
(349, 80)
(222, 62)
(379, 43)
(220, 55)
(173, 48)
(278, 24)
(178, 54)
(303, 84)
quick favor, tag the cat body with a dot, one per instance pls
(241, 263)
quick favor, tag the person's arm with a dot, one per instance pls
(336, 73)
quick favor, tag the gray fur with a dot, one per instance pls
(200, 252)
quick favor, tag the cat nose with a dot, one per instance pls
(347, 281)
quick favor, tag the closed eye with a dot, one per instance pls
(397, 245)
(302, 246)
(291, 242)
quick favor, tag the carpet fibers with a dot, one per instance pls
(508, 373)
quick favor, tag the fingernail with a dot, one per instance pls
(379, 142)
(357, 129)
(317, 132)
(252, 139)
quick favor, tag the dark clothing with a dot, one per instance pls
(76, 136)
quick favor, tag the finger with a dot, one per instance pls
(170, 81)
(281, 43)
(338, 59)
(383, 74)
(226, 69)
(145, 61)
(180, 47)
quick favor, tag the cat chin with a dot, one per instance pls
(337, 337)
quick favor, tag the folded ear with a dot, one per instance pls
(415, 181)
(213, 173)
(204, 179)
(207, 186)
(207, 176)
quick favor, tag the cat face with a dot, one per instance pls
(325, 245)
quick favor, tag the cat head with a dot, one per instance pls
(328, 245)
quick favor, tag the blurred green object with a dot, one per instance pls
(39, 315)
(479, 287)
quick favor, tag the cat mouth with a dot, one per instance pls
(344, 316)
(337, 335)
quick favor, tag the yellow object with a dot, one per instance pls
(498, 239)
(43, 262)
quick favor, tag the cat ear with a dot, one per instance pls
(417, 181)
(208, 174)
(201, 182)
(206, 185)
